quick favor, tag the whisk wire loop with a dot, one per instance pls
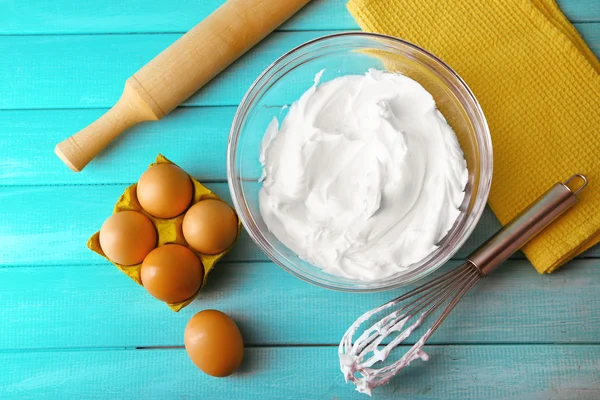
(358, 358)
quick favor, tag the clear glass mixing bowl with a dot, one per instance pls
(287, 78)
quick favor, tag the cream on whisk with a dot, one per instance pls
(364, 176)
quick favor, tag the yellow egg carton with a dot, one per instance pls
(168, 230)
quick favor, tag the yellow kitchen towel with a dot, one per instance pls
(539, 87)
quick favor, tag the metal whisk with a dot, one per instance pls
(358, 357)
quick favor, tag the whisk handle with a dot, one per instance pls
(526, 225)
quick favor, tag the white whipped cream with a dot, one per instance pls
(364, 177)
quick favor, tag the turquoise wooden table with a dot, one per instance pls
(73, 326)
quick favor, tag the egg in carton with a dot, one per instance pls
(169, 231)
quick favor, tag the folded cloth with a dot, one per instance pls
(539, 87)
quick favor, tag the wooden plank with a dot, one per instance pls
(54, 222)
(453, 372)
(194, 137)
(580, 10)
(89, 71)
(134, 16)
(98, 306)
(590, 32)
(113, 16)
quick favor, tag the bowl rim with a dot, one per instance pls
(254, 231)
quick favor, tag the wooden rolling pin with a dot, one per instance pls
(179, 71)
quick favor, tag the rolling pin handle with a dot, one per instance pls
(78, 150)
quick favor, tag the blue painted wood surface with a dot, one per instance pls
(73, 326)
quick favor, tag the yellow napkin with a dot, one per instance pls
(539, 87)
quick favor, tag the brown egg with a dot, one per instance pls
(172, 273)
(210, 226)
(127, 237)
(214, 343)
(165, 190)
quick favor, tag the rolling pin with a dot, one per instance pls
(179, 71)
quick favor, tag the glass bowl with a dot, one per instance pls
(287, 78)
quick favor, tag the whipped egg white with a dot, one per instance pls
(364, 176)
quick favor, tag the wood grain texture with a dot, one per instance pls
(194, 137)
(130, 16)
(88, 71)
(461, 372)
(80, 306)
(53, 223)
(71, 322)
